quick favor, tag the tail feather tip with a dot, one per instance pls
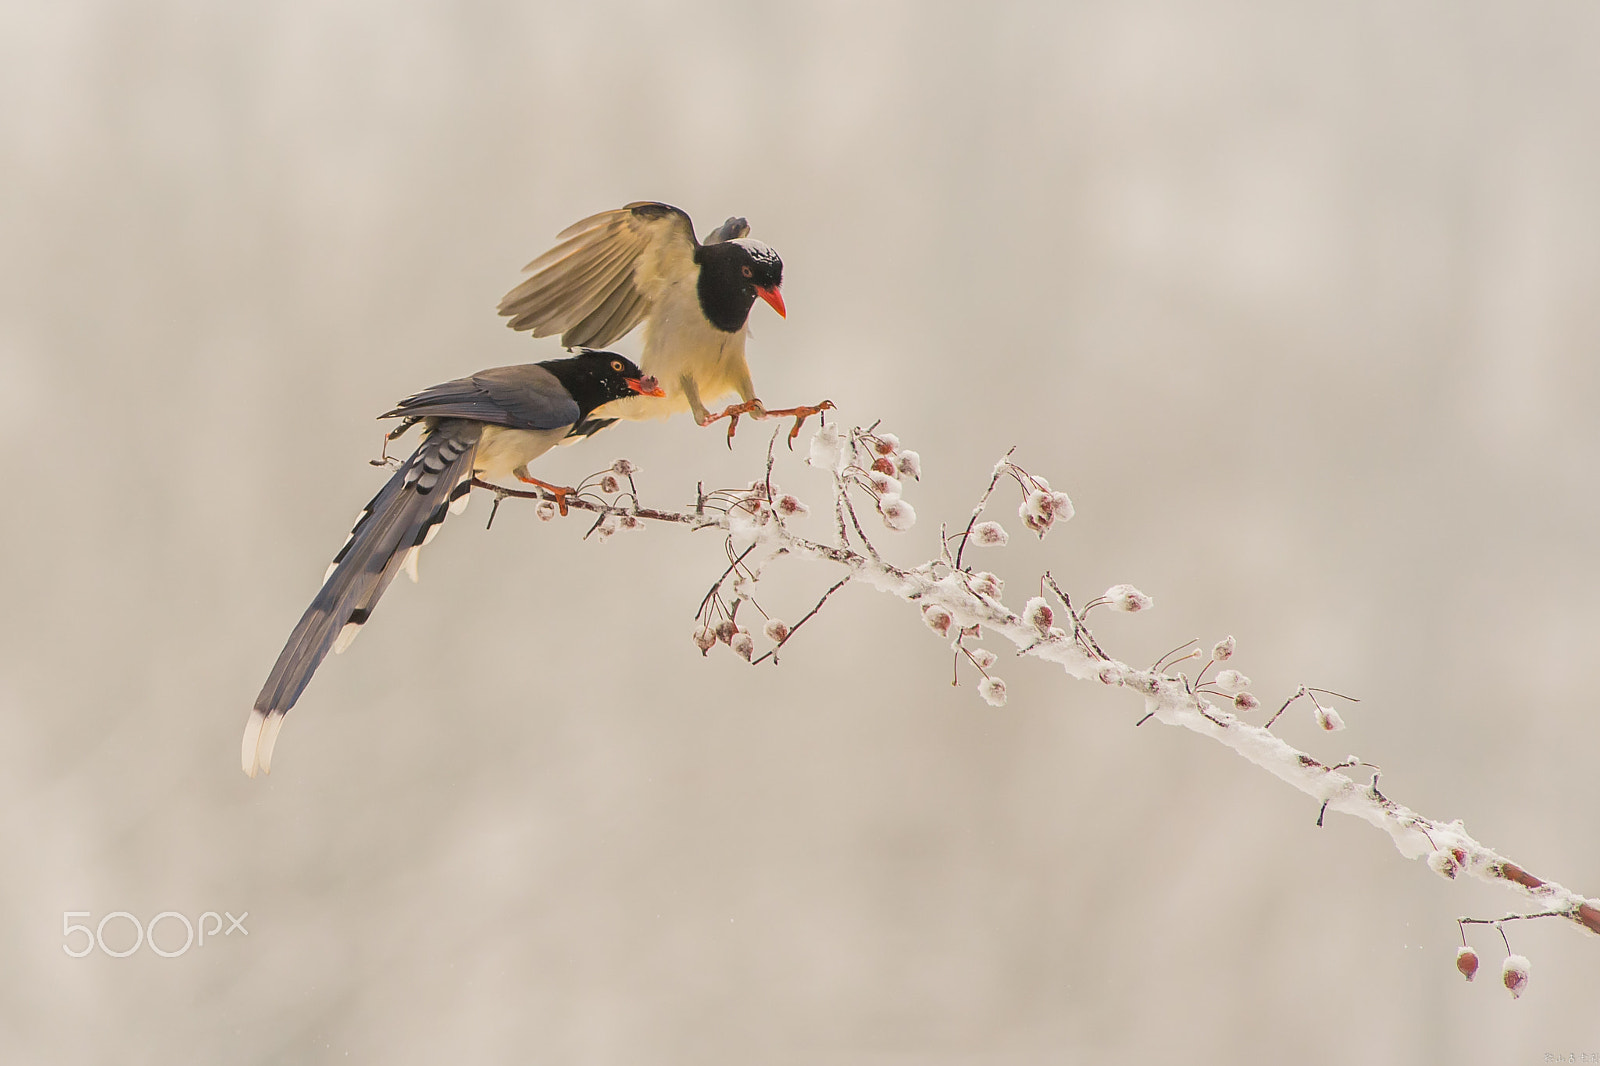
(260, 735)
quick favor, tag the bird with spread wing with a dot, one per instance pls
(642, 264)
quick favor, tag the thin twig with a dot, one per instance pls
(999, 469)
(854, 521)
(808, 616)
(1080, 630)
(1285, 707)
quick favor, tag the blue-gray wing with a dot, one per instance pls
(602, 278)
(519, 397)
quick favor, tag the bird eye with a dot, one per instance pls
(746, 271)
(616, 365)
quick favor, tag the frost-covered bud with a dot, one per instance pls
(607, 526)
(1062, 506)
(898, 515)
(990, 535)
(623, 468)
(1245, 702)
(760, 512)
(1111, 675)
(1444, 864)
(1467, 962)
(1232, 681)
(745, 522)
(1036, 524)
(546, 511)
(1038, 614)
(704, 639)
(1129, 599)
(1329, 719)
(1222, 650)
(883, 465)
(886, 444)
(909, 465)
(983, 657)
(725, 630)
(790, 506)
(884, 485)
(777, 631)
(628, 521)
(1039, 503)
(993, 691)
(937, 619)
(987, 584)
(609, 484)
(743, 645)
(1514, 975)
(827, 448)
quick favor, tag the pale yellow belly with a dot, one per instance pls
(502, 451)
(713, 360)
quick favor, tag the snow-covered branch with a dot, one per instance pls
(965, 606)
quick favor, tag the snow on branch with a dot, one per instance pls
(868, 469)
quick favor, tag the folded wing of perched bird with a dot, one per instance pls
(491, 424)
(642, 264)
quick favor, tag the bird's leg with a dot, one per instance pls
(558, 491)
(691, 393)
(399, 431)
(799, 414)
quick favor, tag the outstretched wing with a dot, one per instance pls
(601, 279)
(519, 397)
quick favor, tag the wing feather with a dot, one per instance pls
(604, 273)
(518, 397)
(572, 294)
(620, 312)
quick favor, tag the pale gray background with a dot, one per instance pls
(1297, 300)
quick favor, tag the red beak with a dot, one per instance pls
(647, 386)
(773, 297)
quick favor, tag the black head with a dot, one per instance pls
(732, 275)
(596, 378)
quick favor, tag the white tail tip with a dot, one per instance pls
(260, 734)
(347, 637)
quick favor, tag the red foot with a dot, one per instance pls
(753, 408)
(560, 492)
(799, 414)
(756, 410)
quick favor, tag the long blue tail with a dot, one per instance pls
(403, 516)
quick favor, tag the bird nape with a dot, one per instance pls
(642, 264)
(490, 425)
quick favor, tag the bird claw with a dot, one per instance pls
(560, 492)
(799, 414)
(753, 408)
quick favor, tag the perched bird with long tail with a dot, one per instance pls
(488, 425)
